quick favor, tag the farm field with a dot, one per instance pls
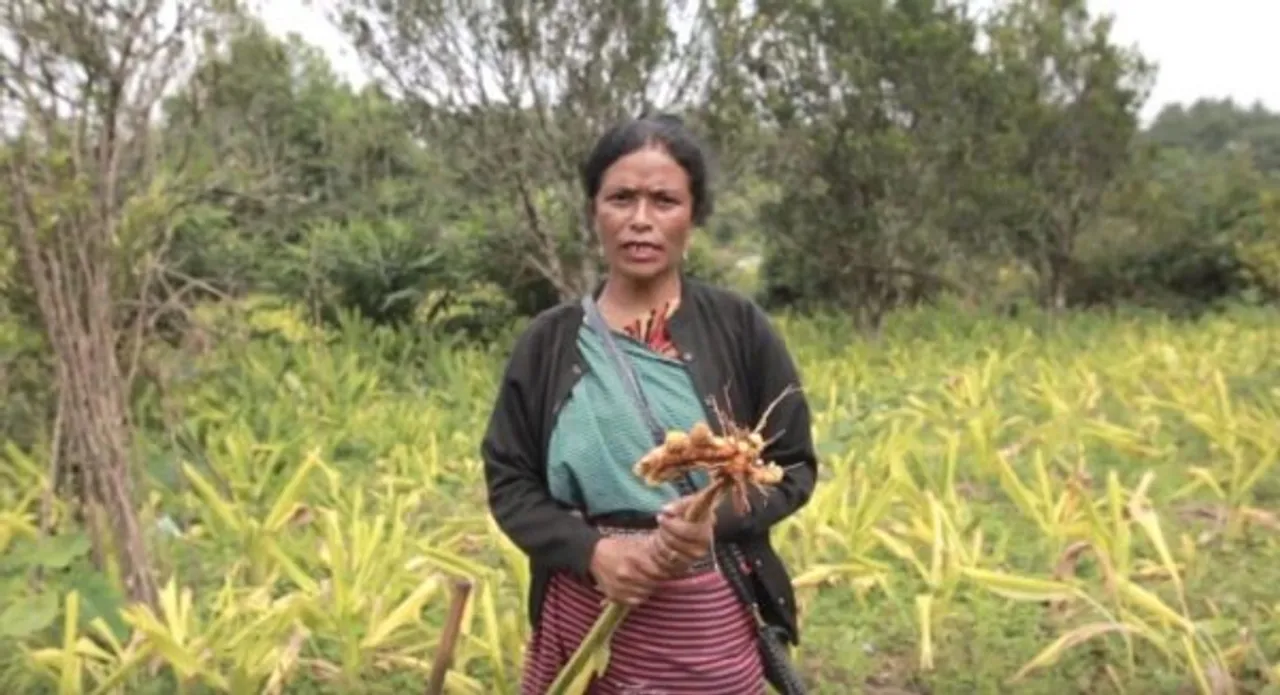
(1083, 505)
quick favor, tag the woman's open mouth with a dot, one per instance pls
(641, 251)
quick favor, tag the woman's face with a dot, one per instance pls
(644, 214)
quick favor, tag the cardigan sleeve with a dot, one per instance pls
(514, 469)
(771, 371)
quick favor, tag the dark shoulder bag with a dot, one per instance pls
(778, 669)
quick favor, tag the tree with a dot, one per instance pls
(79, 82)
(1070, 103)
(1215, 126)
(878, 109)
(324, 194)
(513, 94)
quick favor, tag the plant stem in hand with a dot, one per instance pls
(614, 613)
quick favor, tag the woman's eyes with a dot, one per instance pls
(627, 196)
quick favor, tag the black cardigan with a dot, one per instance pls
(729, 346)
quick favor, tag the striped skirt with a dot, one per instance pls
(692, 636)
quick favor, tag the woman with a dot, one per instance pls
(564, 434)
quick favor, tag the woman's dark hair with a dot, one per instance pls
(666, 131)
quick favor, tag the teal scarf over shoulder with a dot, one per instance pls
(600, 432)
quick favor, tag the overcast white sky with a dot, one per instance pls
(1216, 49)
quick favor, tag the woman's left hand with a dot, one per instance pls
(679, 542)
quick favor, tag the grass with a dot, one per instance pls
(871, 642)
(914, 428)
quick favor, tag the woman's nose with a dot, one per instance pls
(641, 215)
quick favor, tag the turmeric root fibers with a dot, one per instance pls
(733, 459)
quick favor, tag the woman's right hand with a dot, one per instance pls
(625, 569)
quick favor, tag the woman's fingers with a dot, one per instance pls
(681, 546)
(677, 506)
(647, 563)
(670, 560)
(690, 540)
